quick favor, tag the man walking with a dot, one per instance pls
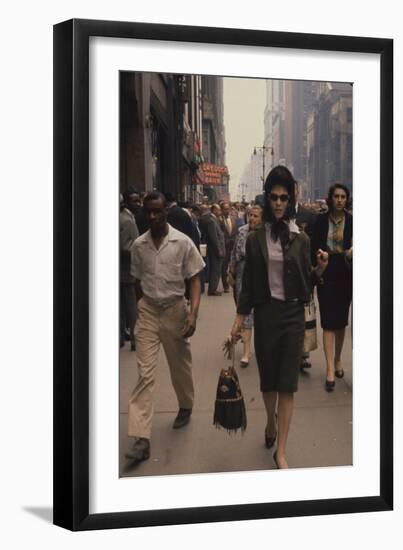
(215, 249)
(162, 259)
(229, 228)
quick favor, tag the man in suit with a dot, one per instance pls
(228, 224)
(213, 237)
(305, 219)
(178, 218)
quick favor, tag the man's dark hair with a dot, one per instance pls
(196, 209)
(155, 196)
(127, 193)
(169, 197)
(332, 189)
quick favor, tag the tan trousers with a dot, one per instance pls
(156, 325)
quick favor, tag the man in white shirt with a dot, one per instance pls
(162, 259)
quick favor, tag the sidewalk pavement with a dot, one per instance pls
(321, 428)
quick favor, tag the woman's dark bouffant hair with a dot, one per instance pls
(331, 191)
(279, 175)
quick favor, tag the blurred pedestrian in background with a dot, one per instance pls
(305, 219)
(215, 249)
(133, 202)
(128, 233)
(236, 268)
(229, 228)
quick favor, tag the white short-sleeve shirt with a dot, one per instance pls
(163, 272)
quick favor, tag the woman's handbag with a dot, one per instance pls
(229, 408)
(310, 336)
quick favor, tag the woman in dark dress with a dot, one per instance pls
(278, 279)
(333, 232)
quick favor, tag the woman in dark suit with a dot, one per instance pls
(333, 232)
(278, 279)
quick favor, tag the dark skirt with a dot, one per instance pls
(279, 341)
(335, 294)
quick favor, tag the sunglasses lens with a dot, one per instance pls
(274, 197)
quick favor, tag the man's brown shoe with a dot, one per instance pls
(140, 450)
(182, 418)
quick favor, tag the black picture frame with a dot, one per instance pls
(71, 274)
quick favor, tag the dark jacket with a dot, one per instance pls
(299, 277)
(180, 220)
(212, 235)
(305, 219)
(234, 227)
(321, 230)
(141, 221)
(128, 233)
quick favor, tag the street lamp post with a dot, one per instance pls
(242, 186)
(263, 148)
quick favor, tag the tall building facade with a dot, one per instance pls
(274, 117)
(215, 172)
(169, 125)
(329, 139)
(251, 182)
(308, 125)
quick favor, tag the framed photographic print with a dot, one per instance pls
(167, 142)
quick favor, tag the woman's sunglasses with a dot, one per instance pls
(283, 198)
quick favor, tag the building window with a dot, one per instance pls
(206, 145)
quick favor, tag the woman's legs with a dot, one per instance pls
(333, 341)
(328, 347)
(246, 338)
(270, 402)
(339, 346)
(285, 408)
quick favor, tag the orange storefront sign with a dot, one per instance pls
(214, 174)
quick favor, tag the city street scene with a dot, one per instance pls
(235, 274)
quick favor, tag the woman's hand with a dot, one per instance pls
(236, 328)
(349, 254)
(322, 259)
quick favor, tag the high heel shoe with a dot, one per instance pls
(329, 385)
(339, 373)
(270, 441)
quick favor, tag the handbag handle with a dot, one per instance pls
(229, 351)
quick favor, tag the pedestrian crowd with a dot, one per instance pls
(270, 254)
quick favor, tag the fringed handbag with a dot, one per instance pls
(229, 409)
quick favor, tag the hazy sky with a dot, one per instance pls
(244, 104)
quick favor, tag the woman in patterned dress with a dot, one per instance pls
(236, 268)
